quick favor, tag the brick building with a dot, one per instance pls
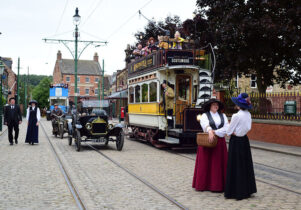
(89, 74)
(9, 79)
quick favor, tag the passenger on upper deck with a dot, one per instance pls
(152, 46)
(138, 52)
(145, 49)
(162, 42)
(177, 44)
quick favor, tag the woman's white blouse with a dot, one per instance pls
(38, 114)
(240, 124)
(215, 116)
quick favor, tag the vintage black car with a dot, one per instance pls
(92, 125)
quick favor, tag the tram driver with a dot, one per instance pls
(167, 101)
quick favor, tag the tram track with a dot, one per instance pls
(260, 166)
(71, 186)
(142, 180)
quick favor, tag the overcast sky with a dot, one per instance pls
(24, 24)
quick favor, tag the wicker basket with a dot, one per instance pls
(202, 140)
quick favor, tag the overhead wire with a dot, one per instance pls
(127, 20)
(61, 18)
(98, 4)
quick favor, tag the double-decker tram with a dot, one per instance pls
(188, 73)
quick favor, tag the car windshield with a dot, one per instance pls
(95, 103)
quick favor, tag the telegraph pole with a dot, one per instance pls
(76, 20)
(18, 79)
(103, 80)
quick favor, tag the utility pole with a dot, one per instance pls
(25, 91)
(76, 20)
(103, 80)
(18, 85)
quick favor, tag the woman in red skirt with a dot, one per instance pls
(211, 163)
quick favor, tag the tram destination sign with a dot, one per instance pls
(142, 64)
(179, 58)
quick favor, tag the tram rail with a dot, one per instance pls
(145, 182)
(67, 178)
(282, 171)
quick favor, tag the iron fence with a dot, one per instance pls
(270, 106)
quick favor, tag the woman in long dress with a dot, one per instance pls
(240, 181)
(33, 117)
(211, 163)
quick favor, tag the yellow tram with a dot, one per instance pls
(188, 73)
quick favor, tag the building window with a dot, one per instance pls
(87, 80)
(145, 93)
(96, 91)
(78, 79)
(253, 81)
(137, 94)
(153, 92)
(77, 90)
(96, 79)
(67, 79)
(87, 91)
(131, 97)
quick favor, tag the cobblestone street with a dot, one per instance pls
(31, 178)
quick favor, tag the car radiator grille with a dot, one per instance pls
(99, 127)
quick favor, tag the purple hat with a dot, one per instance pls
(242, 101)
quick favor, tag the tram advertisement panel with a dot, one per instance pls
(142, 64)
(179, 58)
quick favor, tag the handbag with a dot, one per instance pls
(203, 140)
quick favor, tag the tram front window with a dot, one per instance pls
(131, 90)
(184, 89)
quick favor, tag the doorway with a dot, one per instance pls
(183, 96)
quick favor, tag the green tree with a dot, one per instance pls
(41, 92)
(260, 37)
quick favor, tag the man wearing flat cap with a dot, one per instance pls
(168, 102)
(54, 114)
(12, 118)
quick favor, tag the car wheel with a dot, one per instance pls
(70, 140)
(120, 141)
(61, 131)
(78, 141)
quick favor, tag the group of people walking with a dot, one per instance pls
(216, 169)
(13, 117)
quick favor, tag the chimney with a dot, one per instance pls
(59, 55)
(95, 58)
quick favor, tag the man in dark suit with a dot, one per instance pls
(12, 118)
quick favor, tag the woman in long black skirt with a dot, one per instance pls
(240, 178)
(33, 117)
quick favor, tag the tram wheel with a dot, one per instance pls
(78, 141)
(61, 131)
(120, 141)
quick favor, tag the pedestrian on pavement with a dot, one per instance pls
(12, 118)
(33, 117)
(211, 163)
(240, 180)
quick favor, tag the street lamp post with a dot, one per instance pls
(76, 21)
(1, 103)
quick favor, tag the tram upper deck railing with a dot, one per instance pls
(170, 57)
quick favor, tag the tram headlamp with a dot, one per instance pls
(89, 126)
(198, 117)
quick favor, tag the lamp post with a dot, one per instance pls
(76, 21)
(1, 103)
(120, 88)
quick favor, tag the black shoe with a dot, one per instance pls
(11, 143)
(16, 141)
(32, 143)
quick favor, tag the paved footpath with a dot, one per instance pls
(30, 177)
